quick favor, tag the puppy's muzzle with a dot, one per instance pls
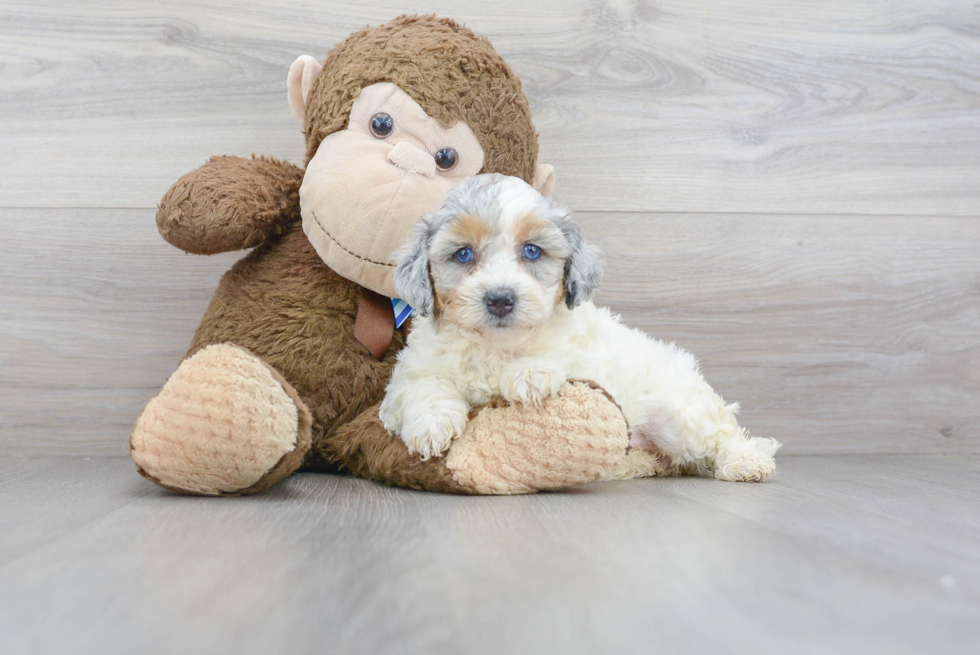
(500, 302)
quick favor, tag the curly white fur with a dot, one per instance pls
(461, 355)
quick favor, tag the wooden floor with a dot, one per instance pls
(837, 554)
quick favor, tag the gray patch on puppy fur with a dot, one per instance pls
(583, 270)
(411, 278)
(475, 195)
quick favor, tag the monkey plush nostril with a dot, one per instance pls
(414, 160)
(500, 302)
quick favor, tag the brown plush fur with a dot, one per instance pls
(411, 51)
(230, 203)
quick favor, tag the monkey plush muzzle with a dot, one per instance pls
(364, 188)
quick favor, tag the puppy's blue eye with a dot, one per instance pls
(532, 251)
(463, 255)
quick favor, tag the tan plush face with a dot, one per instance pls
(369, 183)
(496, 259)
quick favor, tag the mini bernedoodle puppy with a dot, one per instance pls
(501, 283)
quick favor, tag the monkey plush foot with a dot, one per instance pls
(225, 423)
(578, 435)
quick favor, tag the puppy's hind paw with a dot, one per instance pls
(429, 431)
(748, 465)
(530, 386)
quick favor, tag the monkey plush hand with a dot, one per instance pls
(290, 361)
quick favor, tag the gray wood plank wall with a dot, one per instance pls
(790, 189)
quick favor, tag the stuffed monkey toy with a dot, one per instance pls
(291, 359)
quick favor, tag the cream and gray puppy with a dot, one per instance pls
(502, 283)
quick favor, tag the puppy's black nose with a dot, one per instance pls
(500, 302)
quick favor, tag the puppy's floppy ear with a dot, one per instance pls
(412, 280)
(583, 270)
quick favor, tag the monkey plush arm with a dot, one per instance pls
(230, 203)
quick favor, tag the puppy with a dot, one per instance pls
(501, 282)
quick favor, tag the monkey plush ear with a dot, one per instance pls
(412, 281)
(302, 74)
(583, 270)
(544, 179)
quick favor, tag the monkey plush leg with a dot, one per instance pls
(230, 203)
(575, 436)
(225, 423)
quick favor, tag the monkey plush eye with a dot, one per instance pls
(532, 251)
(463, 255)
(446, 159)
(382, 125)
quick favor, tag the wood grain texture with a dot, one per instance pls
(833, 555)
(91, 324)
(669, 105)
(837, 334)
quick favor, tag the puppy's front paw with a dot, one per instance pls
(530, 385)
(428, 431)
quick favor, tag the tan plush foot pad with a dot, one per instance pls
(577, 436)
(225, 423)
